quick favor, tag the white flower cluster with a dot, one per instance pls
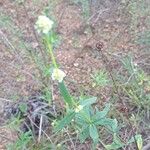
(43, 24)
(78, 108)
(58, 75)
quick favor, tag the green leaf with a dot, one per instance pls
(54, 37)
(84, 116)
(128, 64)
(65, 94)
(23, 107)
(80, 119)
(47, 70)
(65, 121)
(84, 134)
(102, 114)
(138, 139)
(114, 125)
(93, 132)
(116, 144)
(100, 78)
(111, 124)
(88, 102)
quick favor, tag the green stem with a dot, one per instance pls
(51, 52)
(55, 65)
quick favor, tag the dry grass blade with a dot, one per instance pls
(40, 128)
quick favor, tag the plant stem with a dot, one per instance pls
(49, 45)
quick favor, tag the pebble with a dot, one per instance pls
(76, 64)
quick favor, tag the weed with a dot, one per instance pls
(135, 82)
(81, 119)
(100, 78)
(22, 142)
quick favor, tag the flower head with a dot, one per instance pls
(43, 24)
(78, 108)
(54, 122)
(58, 75)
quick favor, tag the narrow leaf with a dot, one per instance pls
(102, 114)
(138, 139)
(65, 94)
(65, 121)
(116, 144)
(88, 102)
(93, 132)
(84, 134)
(111, 124)
(23, 107)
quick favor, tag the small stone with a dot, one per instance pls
(35, 44)
(1, 107)
(76, 64)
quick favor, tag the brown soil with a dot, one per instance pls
(77, 53)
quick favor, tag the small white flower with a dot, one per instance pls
(58, 75)
(53, 123)
(78, 108)
(59, 145)
(43, 24)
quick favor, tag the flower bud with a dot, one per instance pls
(78, 108)
(58, 75)
(43, 24)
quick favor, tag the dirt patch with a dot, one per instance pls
(77, 53)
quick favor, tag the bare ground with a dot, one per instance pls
(77, 52)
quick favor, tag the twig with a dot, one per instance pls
(40, 129)
(70, 140)
(6, 100)
(10, 45)
(99, 12)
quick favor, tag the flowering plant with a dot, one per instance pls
(58, 75)
(76, 110)
(44, 24)
(87, 121)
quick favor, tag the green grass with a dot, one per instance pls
(100, 78)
